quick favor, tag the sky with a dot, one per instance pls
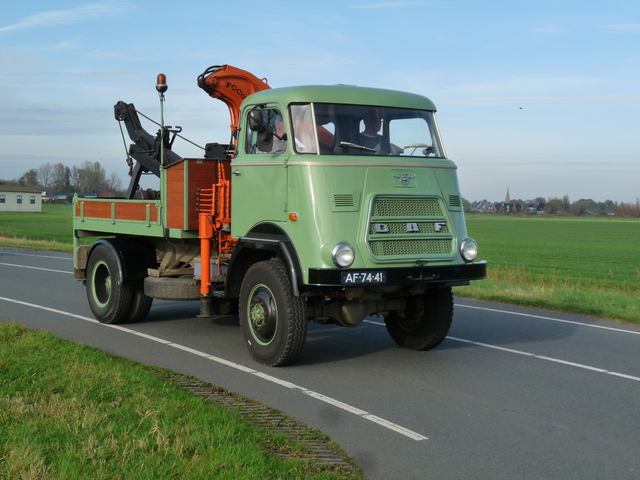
(540, 97)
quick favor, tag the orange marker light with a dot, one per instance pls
(293, 217)
(161, 83)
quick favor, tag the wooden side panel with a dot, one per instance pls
(175, 195)
(183, 181)
(123, 210)
(202, 174)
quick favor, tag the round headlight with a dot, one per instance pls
(343, 255)
(469, 249)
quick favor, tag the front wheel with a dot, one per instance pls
(272, 319)
(425, 321)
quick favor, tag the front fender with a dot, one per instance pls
(263, 242)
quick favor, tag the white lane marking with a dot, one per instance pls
(549, 359)
(33, 255)
(265, 376)
(559, 320)
(393, 426)
(540, 357)
(54, 310)
(35, 268)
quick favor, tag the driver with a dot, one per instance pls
(370, 137)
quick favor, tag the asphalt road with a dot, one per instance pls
(512, 393)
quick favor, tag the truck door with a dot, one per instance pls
(259, 180)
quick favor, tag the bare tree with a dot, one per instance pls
(114, 183)
(579, 207)
(74, 178)
(91, 177)
(61, 177)
(553, 206)
(45, 175)
(628, 210)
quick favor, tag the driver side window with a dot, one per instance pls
(265, 132)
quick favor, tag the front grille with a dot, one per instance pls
(407, 207)
(403, 227)
(398, 248)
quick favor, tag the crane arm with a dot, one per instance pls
(231, 85)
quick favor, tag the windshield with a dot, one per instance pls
(335, 129)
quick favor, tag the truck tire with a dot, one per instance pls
(110, 302)
(140, 306)
(425, 322)
(272, 319)
(172, 288)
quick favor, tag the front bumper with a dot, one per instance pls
(451, 275)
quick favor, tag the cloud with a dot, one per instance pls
(389, 5)
(60, 17)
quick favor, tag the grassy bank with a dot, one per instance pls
(582, 265)
(68, 411)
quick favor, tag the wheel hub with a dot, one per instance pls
(102, 284)
(263, 315)
(257, 315)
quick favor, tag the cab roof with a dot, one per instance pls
(343, 94)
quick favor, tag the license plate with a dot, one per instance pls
(363, 278)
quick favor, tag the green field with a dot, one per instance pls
(587, 265)
(49, 230)
(578, 264)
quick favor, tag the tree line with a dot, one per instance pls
(563, 206)
(89, 177)
(587, 206)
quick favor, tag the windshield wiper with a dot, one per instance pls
(356, 146)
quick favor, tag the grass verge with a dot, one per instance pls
(513, 285)
(69, 411)
(7, 239)
(579, 265)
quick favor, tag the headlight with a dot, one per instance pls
(343, 255)
(469, 249)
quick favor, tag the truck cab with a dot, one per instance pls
(353, 213)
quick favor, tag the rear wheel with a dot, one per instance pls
(110, 302)
(425, 322)
(272, 319)
(140, 306)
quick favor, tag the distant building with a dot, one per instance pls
(482, 207)
(20, 199)
(48, 194)
(67, 196)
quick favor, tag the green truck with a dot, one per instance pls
(329, 204)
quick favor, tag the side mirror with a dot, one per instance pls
(255, 120)
(265, 140)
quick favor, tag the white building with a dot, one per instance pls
(20, 199)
